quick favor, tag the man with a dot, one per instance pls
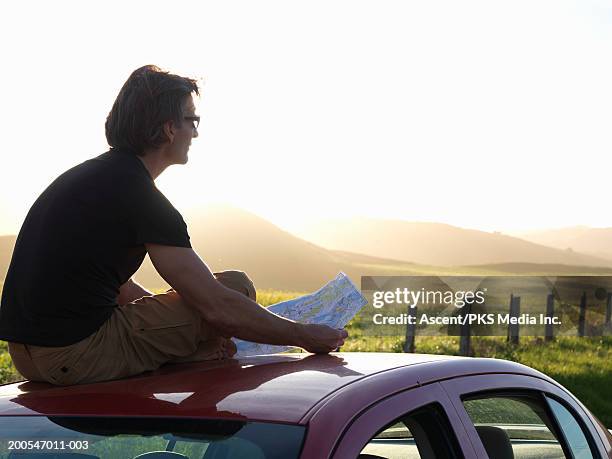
(70, 310)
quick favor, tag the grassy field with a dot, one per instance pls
(583, 365)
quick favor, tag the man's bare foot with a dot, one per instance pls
(228, 348)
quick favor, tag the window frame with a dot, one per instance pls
(459, 389)
(526, 394)
(377, 416)
(578, 419)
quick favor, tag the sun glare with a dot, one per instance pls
(416, 111)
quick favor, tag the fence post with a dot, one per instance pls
(609, 309)
(582, 315)
(513, 328)
(410, 331)
(550, 310)
(465, 338)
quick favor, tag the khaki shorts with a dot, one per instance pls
(139, 336)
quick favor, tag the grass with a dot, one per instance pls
(582, 365)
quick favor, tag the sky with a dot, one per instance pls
(492, 115)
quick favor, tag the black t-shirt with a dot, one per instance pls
(82, 239)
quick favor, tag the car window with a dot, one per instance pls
(520, 426)
(129, 437)
(423, 433)
(573, 433)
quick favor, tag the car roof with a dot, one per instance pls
(278, 388)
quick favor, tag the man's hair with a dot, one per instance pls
(149, 98)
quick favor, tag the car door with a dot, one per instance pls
(517, 416)
(424, 419)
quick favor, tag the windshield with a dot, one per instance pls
(131, 437)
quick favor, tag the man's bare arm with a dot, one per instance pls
(131, 291)
(232, 313)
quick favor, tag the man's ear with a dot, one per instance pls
(169, 130)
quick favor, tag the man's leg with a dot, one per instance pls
(215, 346)
(140, 336)
(239, 281)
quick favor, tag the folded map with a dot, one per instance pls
(335, 304)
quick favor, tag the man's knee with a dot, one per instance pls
(239, 281)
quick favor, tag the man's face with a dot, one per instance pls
(184, 133)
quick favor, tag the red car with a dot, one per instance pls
(346, 405)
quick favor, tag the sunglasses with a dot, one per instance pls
(195, 121)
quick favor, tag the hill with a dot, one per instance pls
(583, 239)
(229, 238)
(534, 269)
(437, 244)
(6, 249)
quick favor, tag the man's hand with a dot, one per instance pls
(322, 339)
(233, 313)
